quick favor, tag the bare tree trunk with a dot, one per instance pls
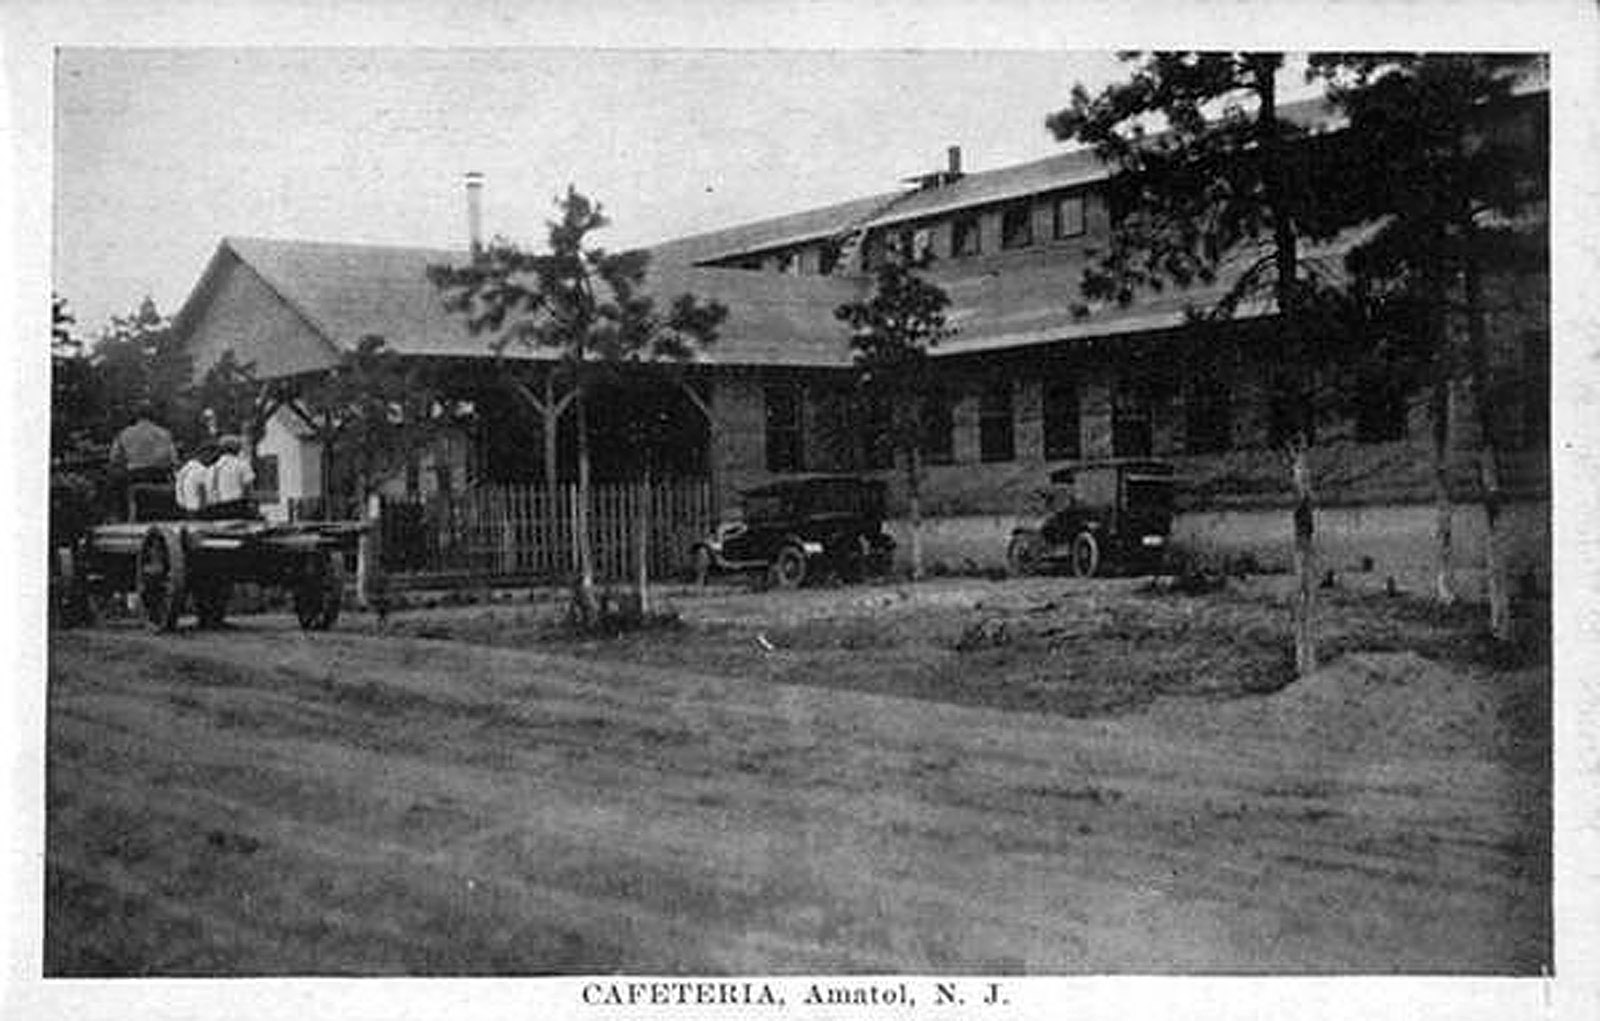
(1305, 639)
(1444, 509)
(914, 507)
(1497, 582)
(588, 602)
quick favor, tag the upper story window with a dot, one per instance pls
(1069, 216)
(965, 236)
(1208, 415)
(1016, 226)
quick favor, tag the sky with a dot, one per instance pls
(160, 153)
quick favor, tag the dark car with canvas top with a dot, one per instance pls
(799, 529)
(1106, 516)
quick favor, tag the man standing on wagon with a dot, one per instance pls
(142, 455)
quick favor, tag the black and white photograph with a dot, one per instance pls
(786, 529)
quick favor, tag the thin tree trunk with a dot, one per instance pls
(1305, 638)
(587, 600)
(914, 502)
(1497, 583)
(1444, 509)
(1286, 264)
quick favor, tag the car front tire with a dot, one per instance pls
(788, 568)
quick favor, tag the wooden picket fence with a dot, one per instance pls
(523, 534)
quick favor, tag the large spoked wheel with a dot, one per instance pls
(163, 577)
(70, 604)
(702, 566)
(788, 568)
(1085, 555)
(1025, 554)
(319, 592)
(211, 600)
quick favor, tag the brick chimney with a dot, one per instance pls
(953, 155)
(475, 212)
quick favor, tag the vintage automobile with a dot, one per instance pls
(801, 528)
(1105, 516)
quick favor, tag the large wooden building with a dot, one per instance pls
(1028, 382)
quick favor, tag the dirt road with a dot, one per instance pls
(262, 801)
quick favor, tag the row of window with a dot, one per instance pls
(1207, 410)
(1016, 228)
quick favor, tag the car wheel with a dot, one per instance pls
(1025, 554)
(1085, 555)
(788, 568)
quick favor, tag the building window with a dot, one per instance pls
(966, 237)
(785, 428)
(1069, 216)
(996, 428)
(1131, 407)
(1062, 435)
(1289, 411)
(1381, 412)
(828, 259)
(938, 429)
(266, 484)
(1208, 417)
(1016, 226)
(877, 437)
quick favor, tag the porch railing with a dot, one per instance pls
(524, 533)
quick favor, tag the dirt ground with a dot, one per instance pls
(1037, 776)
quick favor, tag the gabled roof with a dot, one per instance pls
(778, 231)
(345, 292)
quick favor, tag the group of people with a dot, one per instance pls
(214, 482)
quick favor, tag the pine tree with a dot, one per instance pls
(1451, 189)
(1223, 176)
(588, 306)
(892, 331)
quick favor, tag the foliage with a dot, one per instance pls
(582, 302)
(1225, 193)
(590, 308)
(1448, 190)
(373, 410)
(891, 334)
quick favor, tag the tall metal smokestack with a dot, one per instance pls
(475, 212)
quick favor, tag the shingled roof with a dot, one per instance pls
(345, 292)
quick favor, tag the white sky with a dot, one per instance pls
(159, 153)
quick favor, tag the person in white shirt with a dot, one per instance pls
(228, 494)
(194, 478)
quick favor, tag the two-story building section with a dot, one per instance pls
(1030, 381)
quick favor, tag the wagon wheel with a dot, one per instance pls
(1025, 554)
(70, 604)
(702, 565)
(319, 592)
(788, 568)
(211, 600)
(162, 577)
(1085, 555)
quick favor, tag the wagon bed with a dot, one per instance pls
(174, 566)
